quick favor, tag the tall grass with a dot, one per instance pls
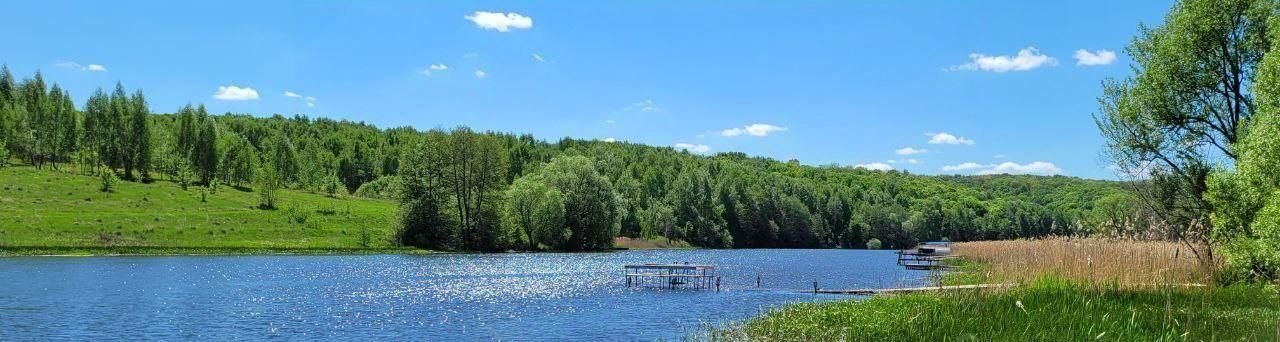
(1093, 261)
(1064, 290)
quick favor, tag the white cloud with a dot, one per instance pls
(610, 139)
(944, 138)
(1034, 168)
(906, 151)
(642, 106)
(1101, 57)
(481, 74)
(1026, 59)
(74, 65)
(433, 68)
(539, 58)
(308, 100)
(755, 130)
(912, 161)
(695, 148)
(500, 22)
(875, 166)
(963, 167)
(234, 93)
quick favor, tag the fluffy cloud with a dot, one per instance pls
(695, 148)
(234, 93)
(1026, 59)
(944, 138)
(610, 139)
(963, 167)
(74, 65)
(755, 130)
(500, 22)
(481, 74)
(875, 166)
(1034, 168)
(292, 94)
(906, 151)
(1101, 57)
(539, 58)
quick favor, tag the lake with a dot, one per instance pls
(448, 297)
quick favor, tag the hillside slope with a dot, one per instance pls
(43, 208)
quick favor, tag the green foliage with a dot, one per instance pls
(454, 186)
(385, 187)
(590, 206)
(874, 243)
(107, 181)
(537, 211)
(1183, 109)
(267, 183)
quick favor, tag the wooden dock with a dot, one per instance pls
(928, 256)
(868, 292)
(672, 276)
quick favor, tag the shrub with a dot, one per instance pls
(874, 243)
(382, 188)
(108, 181)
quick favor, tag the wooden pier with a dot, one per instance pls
(928, 256)
(672, 276)
(868, 292)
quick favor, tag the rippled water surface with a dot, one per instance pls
(547, 296)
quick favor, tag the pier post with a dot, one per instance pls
(815, 286)
(757, 280)
(717, 284)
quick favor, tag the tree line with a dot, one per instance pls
(461, 189)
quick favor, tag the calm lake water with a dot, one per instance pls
(546, 296)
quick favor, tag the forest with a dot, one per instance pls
(461, 189)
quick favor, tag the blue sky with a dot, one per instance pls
(850, 83)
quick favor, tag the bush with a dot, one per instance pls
(874, 243)
(108, 181)
(382, 188)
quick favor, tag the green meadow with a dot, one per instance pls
(56, 212)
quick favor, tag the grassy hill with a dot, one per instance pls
(52, 212)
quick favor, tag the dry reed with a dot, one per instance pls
(1095, 261)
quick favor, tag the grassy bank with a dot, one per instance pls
(1145, 297)
(641, 243)
(46, 212)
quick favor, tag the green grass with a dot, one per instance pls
(52, 212)
(1051, 310)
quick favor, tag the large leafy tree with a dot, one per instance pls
(1181, 110)
(536, 210)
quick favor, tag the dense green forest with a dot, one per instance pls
(461, 189)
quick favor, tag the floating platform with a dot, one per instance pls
(672, 276)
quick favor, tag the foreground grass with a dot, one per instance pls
(1065, 290)
(46, 212)
(1047, 310)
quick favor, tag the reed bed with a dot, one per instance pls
(1066, 290)
(1093, 261)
